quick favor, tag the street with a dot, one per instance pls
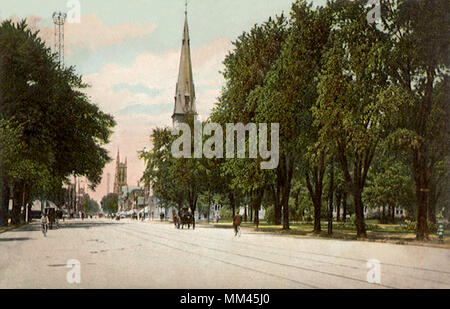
(154, 255)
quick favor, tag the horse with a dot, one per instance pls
(187, 218)
(184, 217)
(237, 220)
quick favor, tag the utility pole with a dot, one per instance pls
(59, 19)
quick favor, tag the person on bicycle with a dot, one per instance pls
(44, 222)
(237, 220)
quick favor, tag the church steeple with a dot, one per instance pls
(120, 177)
(185, 90)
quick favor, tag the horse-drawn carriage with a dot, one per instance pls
(184, 217)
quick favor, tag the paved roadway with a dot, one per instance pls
(129, 254)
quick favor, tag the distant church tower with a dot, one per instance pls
(185, 90)
(120, 178)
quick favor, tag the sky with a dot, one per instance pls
(129, 52)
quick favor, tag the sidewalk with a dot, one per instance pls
(4, 229)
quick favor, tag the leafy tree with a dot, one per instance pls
(419, 63)
(390, 185)
(350, 117)
(10, 146)
(160, 169)
(89, 206)
(62, 132)
(110, 203)
(245, 69)
(288, 93)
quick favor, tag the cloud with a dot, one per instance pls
(90, 34)
(151, 79)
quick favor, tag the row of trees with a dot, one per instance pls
(49, 129)
(110, 203)
(89, 206)
(362, 108)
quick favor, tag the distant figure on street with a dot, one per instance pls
(44, 223)
(237, 220)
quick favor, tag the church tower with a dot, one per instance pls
(120, 179)
(185, 90)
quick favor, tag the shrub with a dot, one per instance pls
(270, 215)
(226, 213)
(411, 226)
(432, 228)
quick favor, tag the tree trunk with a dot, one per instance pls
(317, 214)
(192, 201)
(330, 200)
(338, 206)
(421, 165)
(288, 167)
(344, 206)
(315, 189)
(17, 203)
(432, 202)
(393, 214)
(359, 213)
(422, 191)
(256, 220)
(297, 207)
(209, 203)
(277, 204)
(257, 205)
(285, 201)
(232, 203)
(4, 200)
(245, 213)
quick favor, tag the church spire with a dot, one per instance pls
(185, 90)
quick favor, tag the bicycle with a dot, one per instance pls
(238, 231)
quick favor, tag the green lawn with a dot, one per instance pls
(376, 232)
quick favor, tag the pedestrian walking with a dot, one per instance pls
(44, 223)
